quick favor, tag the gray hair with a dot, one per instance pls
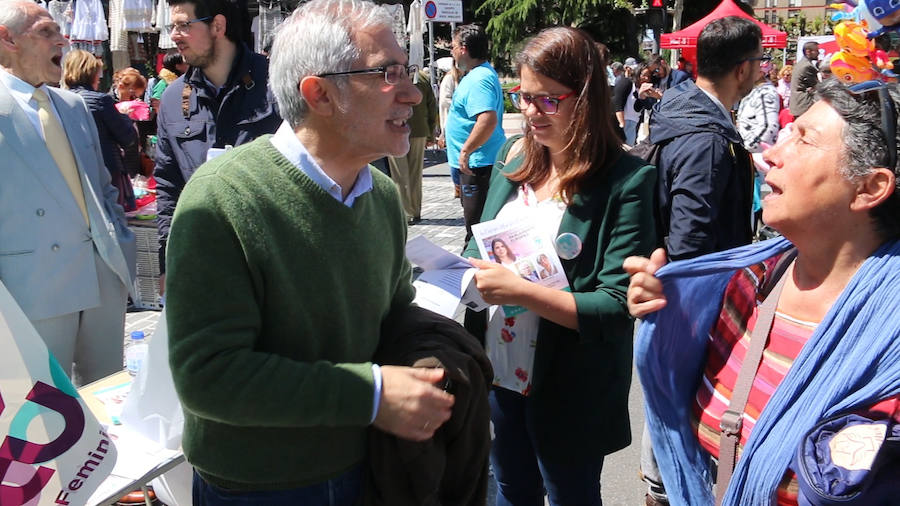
(14, 15)
(865, 146)
(317, 38)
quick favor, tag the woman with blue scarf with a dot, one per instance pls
(822, 421)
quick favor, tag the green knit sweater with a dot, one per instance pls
(276, 294)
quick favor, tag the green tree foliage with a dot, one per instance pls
(510, 22)
(800, 26)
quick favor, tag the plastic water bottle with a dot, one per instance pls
(136, 353)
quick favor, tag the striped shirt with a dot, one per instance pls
(729, 344)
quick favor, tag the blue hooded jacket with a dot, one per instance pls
(705, 186)
(241, 111)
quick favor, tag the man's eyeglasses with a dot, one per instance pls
(393, 74)
(888, 116)
(545, 103)
(761, 59)
(184, 26)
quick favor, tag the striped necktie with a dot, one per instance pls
(58, 145)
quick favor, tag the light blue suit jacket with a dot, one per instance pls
(46, 249)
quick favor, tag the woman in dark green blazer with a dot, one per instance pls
(556, 418)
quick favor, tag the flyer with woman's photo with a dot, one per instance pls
(518, 245)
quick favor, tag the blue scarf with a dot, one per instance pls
(851, 361)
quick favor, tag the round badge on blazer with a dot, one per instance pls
(568, 245)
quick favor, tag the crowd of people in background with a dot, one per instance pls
(306, 372)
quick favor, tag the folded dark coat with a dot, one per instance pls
(452, 467)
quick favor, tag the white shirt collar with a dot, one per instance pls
(23, 94)
(20, 90)
(287, 143)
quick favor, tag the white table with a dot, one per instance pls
(139, 460)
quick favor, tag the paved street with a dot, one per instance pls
(442, 223)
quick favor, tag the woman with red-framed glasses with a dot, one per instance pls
(562, 358)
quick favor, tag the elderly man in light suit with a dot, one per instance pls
(66, 254)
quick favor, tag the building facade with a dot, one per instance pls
(770, 10)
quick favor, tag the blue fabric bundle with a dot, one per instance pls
(851, 361)
(822, 477)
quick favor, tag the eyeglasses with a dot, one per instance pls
(761, 59)
(888, 116)
(184, 26)
(393, 74)
(545, 103)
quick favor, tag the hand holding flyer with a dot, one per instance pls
(518, 245)
(447, 280)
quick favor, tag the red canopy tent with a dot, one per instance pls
(687, 38)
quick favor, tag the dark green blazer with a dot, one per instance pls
(580, 382)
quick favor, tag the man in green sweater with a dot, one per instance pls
(285, 257)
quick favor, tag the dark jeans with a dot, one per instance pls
(474, 192)
(521, 474)
(344, 490)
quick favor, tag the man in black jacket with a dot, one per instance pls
(706, 179)
(705, 183)
(222, 100)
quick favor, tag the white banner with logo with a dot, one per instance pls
(53, 450)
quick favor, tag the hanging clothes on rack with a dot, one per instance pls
(263, 26)
(63, 14)
(118, 36)
(136, 49)
(415, 27)
(89, 23)
(398, 26)
(138, 15)
(162, 18)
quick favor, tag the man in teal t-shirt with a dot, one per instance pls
(475, 122)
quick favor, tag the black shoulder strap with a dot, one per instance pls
(647, 150)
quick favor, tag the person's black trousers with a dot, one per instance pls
(474, 192)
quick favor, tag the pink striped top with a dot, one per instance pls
(729, 343)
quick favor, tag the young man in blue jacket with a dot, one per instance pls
(706, 178)
(223, 99)
(705, 185)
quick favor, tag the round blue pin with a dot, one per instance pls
(568, 245)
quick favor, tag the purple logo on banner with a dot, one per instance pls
(15, 450)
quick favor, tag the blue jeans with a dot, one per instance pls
(631, 130)
(523, 477)
(454, 175)
(344, 490)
